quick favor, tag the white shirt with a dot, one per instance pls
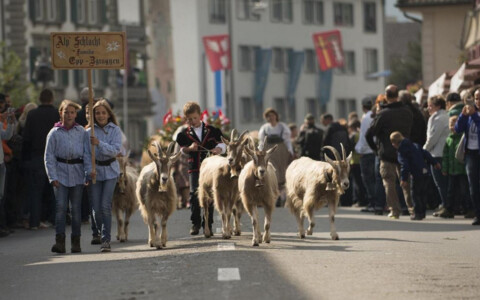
(472, 137)
(362, 146)
(281, 129)
(437, 133)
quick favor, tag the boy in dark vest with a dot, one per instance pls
(197, 141)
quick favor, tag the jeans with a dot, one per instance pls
(62, 195)
(457, 193)
(367, 168)
(419, 189)
(440, 180)
(196, 217)
(380, 196)
(102, 194)
(472, 164)
(40, 192)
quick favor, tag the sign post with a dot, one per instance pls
(88, 50)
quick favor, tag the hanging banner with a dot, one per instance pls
(438, 86)
(88, 50)
(458, 79)
(324, 86)
(295, 63)
(328, 46)
(262, 67)
(217, 48)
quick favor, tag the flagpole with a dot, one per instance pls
(125, 87)
(230, 101)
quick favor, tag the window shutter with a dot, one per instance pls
(103, 12)
(31, 10)
(105, 74)
(62, 8)
(76, 77)
(64, 79)
(73, 10)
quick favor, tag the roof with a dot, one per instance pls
(419, 3)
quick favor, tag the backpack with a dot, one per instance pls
(312, 146)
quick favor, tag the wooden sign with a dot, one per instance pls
(88, 50)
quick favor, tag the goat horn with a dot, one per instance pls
(159, 148)
(343, 151)
(170, 148)
(334, 151)
(263, 145)
(233, 135)
(242, 135)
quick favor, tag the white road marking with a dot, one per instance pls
(228, 274)
(226, 246)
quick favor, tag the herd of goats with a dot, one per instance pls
(244, 179)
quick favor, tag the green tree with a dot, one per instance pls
(408, 69)
(11, 81)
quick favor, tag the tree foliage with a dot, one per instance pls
(407, 70)
(11, 81)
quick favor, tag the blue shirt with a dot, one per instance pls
(110, 144)
(65, 144)
(413, 159)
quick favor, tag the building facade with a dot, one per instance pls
(441, 33)
(27, 26)
(281, 26)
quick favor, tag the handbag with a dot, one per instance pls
(460, 151)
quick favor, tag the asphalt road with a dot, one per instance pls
(375, 258)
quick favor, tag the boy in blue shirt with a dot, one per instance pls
(413, 161)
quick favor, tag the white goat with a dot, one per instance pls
(313, 184)
(124, 199)
(258, 186)
(156, 193)
(218, 182)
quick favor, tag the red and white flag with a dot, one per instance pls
(328, 45)
(167, 117)
(204, 116)
(217, 48)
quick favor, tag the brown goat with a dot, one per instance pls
(124, 202)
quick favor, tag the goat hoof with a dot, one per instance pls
(151, 244)
(335, 237)
(302, 236)
(237, 233)
(255, 244)
(159, 247)
(123, 240)
(207, 235)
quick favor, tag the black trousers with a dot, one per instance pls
(418, 191)
(196, 216)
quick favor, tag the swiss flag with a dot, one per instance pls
(328, 45)
(217, 48)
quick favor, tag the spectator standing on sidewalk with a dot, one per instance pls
(37, 126)
(4, 135)
(437, 133)
(394, 116)
(367, 157)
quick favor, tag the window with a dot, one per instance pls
(244, 10)
(38, 10)
(312, 12)
(371, 61)
(247, 109)
(311, 106)
(369, 17)
(51, 10)
(345, 106)
(343, 14)
(348, 63)
(247, 58)
(280, 59)
(310, 61)
(217, 11)
(88, 12)
(282, 11)
(81, 11)
(47, 11)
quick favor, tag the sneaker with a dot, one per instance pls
(194, 230)
(447, 214)
(105, 247)
(417, 217)
(96, 240)
(45, 224)
(392, 216)
(439, 212)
